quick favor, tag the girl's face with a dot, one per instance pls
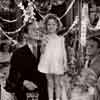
(52, 26)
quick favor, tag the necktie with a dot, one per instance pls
(34, 50)
(87, 64)
(38, 52)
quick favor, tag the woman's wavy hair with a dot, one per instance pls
(52, 16)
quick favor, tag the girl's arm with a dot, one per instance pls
(43, 44)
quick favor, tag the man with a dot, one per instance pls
(24, 75)
(93, 53)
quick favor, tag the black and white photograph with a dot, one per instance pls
(49, 50)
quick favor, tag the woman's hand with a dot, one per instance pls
(29, 85)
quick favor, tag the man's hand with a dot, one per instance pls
(29, 85)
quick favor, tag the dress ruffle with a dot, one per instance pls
(54, 60)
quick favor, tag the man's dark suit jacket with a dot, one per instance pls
(24, 67)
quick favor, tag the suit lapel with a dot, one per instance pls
(28, 51)
(95, 59)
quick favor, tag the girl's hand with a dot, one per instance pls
(43, 44)
(45, 40)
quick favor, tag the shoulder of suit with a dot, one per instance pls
(96, 63)
(98, 58)
(20, 50)
(95, 66)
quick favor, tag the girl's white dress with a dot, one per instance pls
(54, 58)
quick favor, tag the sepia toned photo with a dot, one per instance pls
(49, 50)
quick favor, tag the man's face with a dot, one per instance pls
(92, 17)
(92, 48)
(32, 31)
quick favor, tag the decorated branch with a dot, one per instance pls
(28, 14)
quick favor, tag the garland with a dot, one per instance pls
(75, 22)
(66, 12)
(28, 14)
(16, 31)
(10, 21)
(84, 24)
(9, 38)
(4, 7)
(70, 6)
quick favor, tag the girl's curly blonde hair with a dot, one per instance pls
(52, 16)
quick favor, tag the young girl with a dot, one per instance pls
(53, 61)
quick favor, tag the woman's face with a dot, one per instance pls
(52, 26)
